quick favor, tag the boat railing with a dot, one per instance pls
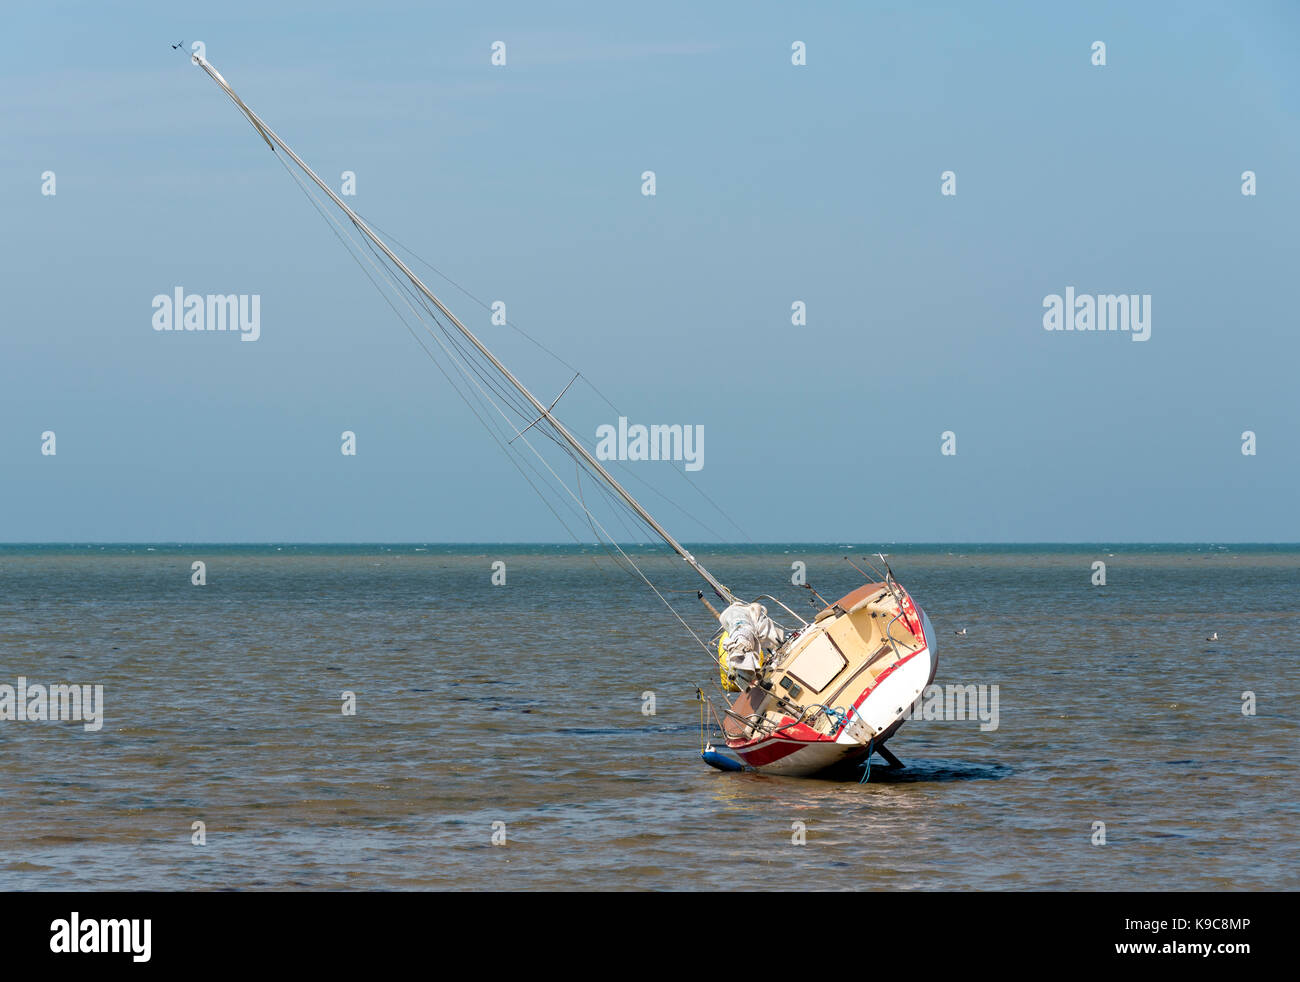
(753, 722)
(889, 636)
(889, 633)
(768, 596)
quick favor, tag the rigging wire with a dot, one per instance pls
(389, 275)
(515, 327)
(345, 241)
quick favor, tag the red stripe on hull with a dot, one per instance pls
(773, 750)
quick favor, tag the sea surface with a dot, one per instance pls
(527, 704)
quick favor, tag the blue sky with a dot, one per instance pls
(775, 183)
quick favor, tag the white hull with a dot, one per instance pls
(876, 715)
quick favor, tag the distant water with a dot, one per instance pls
(522, 704)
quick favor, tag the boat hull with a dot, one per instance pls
(875, 716)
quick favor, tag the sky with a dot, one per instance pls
(775, 183)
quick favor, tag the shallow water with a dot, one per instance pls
(522, 704)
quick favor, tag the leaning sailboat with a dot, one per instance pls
(798, 698)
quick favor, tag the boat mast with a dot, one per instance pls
(274, 141)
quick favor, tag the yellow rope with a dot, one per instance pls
(700, 695)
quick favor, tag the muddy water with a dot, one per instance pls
(523, 704)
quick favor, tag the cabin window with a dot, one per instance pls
(818, 664)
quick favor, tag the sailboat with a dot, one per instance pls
(799, 698)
